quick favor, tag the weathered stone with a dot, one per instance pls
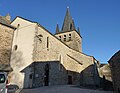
(115, 70)
(6, 37)
(40, 58)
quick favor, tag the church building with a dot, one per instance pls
(40, 58)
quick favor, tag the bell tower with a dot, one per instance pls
(68, 34)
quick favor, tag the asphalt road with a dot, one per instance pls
(61, 89)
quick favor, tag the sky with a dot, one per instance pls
(99, 20)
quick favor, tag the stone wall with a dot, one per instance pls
(49, 48)
(56, 76)
(115, 70)
(6, 37)
(105, 77)
(72, 39)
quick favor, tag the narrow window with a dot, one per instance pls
(47, 42)
(64, 37)
(69, 36)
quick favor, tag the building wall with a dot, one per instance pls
(36, 44)
(22, 50)
(6, 37)
(57, 50)
(115, 70)
(56, 76)
(54, 50)
(105, 76)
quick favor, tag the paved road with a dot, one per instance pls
(61, 89)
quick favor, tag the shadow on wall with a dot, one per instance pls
(16, 64)
(47, 73)
(17, 58)
(89, 78)
(106, 84)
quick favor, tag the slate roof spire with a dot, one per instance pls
(57, 29)
(73, 25)
(68, 24)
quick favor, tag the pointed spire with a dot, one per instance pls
(57, 29)
(72, 25)
(68, 24)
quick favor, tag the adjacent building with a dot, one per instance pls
(115, 70)
(105, 77)
(6, 37)
(40, 58)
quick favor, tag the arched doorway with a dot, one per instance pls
(46, 75)
(70, 79)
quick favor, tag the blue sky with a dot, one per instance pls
(99, 20)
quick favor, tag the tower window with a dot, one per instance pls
(60, 37)
(69, 36)
(64, 37)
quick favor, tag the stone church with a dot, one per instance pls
(40, 58)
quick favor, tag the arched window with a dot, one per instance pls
(15, 47)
